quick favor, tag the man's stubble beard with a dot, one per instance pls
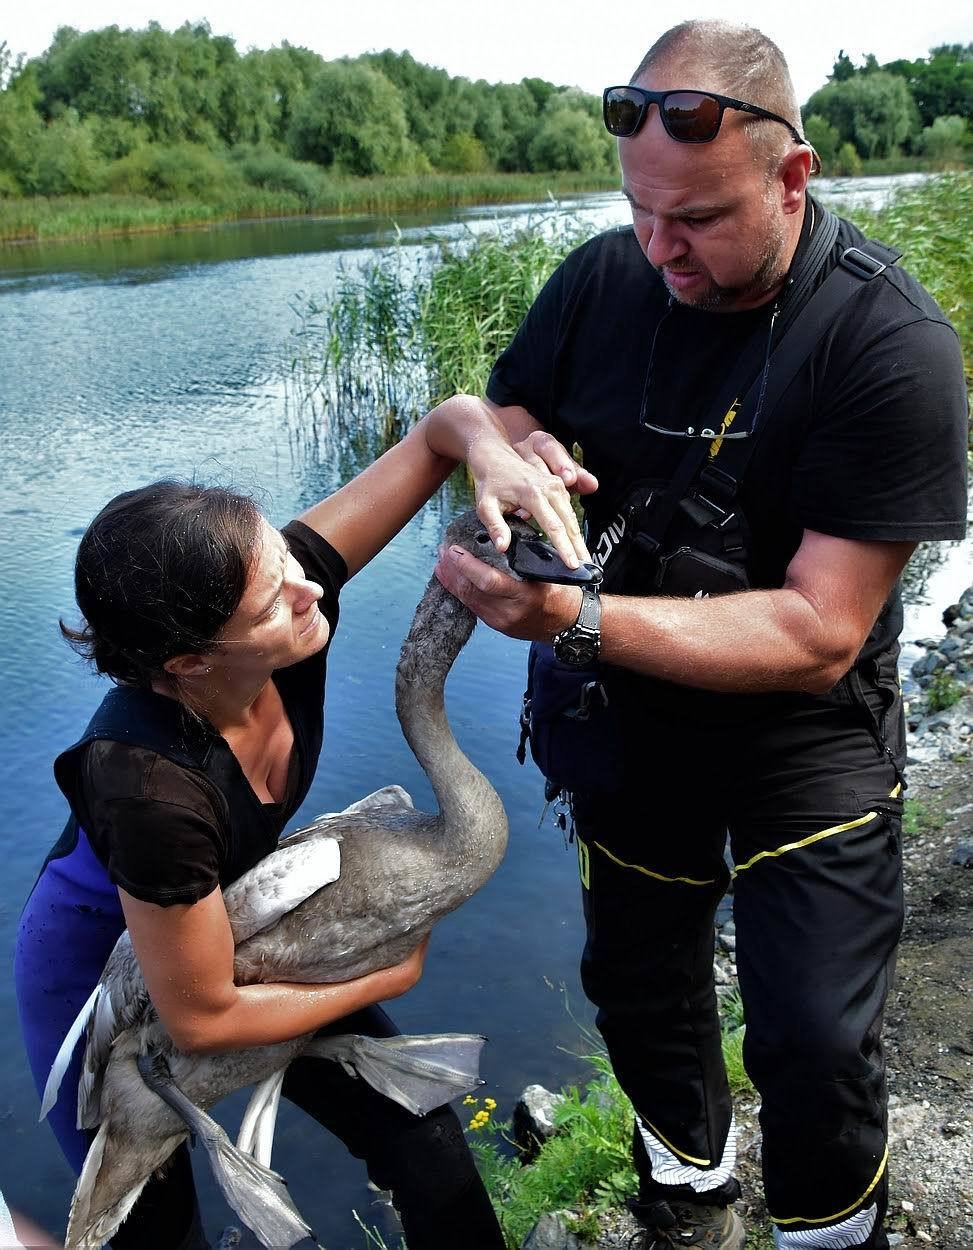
(768, 274)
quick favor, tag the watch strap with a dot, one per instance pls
(589, 615)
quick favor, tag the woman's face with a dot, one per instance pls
(277, 621)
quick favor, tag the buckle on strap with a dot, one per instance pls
(717, 481)
(861, 264)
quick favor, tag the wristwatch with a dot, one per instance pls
(580, 643)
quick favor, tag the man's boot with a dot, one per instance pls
(677, 1225)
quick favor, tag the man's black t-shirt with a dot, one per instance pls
(163, 831)
(867, 442)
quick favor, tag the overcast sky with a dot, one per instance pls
(589, 44)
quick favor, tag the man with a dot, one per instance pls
(773, 713)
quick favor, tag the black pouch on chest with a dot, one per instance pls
(694, 548)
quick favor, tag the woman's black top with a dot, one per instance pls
(163, 831)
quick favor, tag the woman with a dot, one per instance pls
(216, 628)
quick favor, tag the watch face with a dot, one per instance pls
(577, 651)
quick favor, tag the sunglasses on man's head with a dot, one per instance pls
(688, 116)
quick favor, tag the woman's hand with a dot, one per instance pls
(543, 451)
(405, 975)
(517, 478)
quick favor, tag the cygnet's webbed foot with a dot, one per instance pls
(257, 1194)
(418, 1072)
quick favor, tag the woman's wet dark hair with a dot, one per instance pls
(159, 572)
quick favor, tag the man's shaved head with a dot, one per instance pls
(733, 60)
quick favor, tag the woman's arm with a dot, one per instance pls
(364, 515)
(186, 955)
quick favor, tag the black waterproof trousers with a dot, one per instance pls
(423, 1160)
(810, 794)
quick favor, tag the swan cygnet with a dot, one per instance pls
(297, 918)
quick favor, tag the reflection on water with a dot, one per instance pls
(126, 360)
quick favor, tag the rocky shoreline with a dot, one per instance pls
(929, 1017)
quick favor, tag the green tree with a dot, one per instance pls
(847, 162)
(823, 137)
(174, 171)
(872, 111)
(352, 119)
(427, 96)
(947, 140)
(67, 162)
(20, 124)
(519, 109)
(568, 138)
(463, 154)
(285, 73)
(843, 68)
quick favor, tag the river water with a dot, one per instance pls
(124, 360)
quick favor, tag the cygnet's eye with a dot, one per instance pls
(482, 538)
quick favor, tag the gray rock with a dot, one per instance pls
(962, 857)
(927, 664)
(551, 1233)
(533, 1119)
(920, 753)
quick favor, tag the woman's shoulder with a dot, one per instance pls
(114, 771)
(320, 561)
(159, 828)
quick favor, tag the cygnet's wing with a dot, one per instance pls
(280, 882)
(115, 1003)
(388, 796)
(304, 861)
(419, 1073)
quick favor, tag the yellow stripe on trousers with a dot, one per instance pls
(814, 837)
(838, 1215)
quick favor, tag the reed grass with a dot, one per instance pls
(73, 217)
(407, 330)
(412, 326)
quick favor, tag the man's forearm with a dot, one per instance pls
(757, 640)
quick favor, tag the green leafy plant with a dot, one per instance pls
(920, 816)
(943, 691)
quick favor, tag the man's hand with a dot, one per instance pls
(533, 611)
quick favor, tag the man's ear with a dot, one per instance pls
(191, 665)
(795, 169)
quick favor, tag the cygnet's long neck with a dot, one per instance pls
(473, 817)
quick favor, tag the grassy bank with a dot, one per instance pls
(78, 217)
(587, 1166)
